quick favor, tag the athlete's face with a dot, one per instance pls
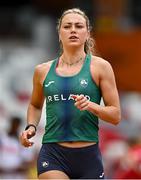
(73, 30)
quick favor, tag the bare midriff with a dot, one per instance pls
(77, 144)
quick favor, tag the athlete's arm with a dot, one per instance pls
(37, 98)
(34, 108)
(111, 111)
(36, 103)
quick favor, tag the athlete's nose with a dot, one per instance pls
(73, 29)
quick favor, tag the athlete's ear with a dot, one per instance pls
(60, 41)
(88, 36)
(59, 38)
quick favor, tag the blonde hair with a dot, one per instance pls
(90, 43)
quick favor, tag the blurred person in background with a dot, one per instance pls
(113, 146)
(14, 159)
(129, 166)
(72, 85)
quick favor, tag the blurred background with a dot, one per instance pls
(28, 37)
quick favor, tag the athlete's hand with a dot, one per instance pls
(81, 102)
(25, 136)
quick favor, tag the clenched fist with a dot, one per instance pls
(26, 135)
(81, 102)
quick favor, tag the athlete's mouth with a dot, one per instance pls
(73, 37)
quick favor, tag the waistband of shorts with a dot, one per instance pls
(85, 148)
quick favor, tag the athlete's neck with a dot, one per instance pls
(72, 58)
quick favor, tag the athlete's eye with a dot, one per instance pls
(66, 27)
(79, 26)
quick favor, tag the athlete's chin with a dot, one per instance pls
(74, 44)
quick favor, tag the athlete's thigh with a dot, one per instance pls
(53, 174)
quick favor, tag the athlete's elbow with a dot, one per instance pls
(116, 122)
(117, 117)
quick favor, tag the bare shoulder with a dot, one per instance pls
(44, 66)
(101, 64)
(41, 70)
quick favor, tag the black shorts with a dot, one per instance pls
(77, 163)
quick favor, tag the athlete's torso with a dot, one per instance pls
(65, 123)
